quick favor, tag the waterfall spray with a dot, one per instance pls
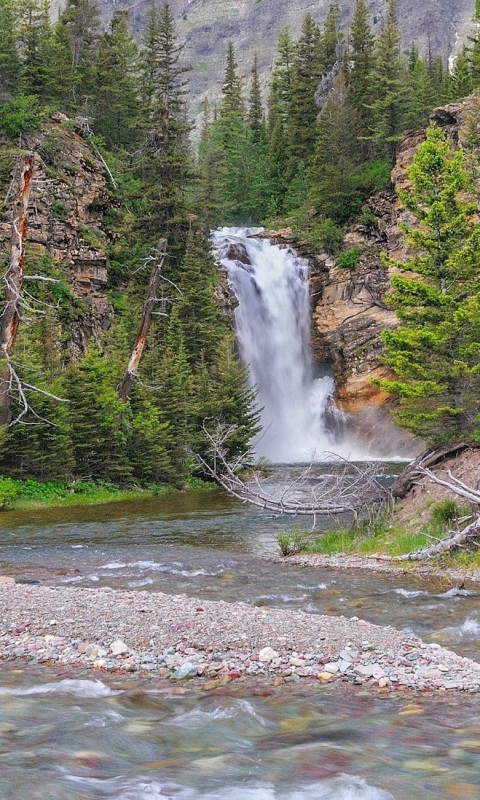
(272, 322)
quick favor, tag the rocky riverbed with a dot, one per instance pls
(180, 638)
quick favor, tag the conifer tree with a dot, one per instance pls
(434, 352)
(301, 123)
(36, 39)
(359, 63)
(389, 87)
(256, 121)
(331, 38)
(336, 160)
(420, 97)
(9, 57)
(279, 105)
(81, 22)
(165, 158)
(115, 96)
(232, 101)
(459, 82)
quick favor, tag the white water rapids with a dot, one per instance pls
(272, 323)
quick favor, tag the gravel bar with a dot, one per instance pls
(180, 638)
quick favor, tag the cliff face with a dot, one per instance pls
(66, 222)
(349, 308)
(254, 25)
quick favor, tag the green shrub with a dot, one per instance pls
(20, 115)
(444, 511)
(292, 542)
(349, 258)
(8, 493)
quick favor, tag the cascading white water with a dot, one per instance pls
(273, 330)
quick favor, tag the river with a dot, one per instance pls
(74, 736)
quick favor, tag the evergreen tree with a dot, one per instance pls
(459, 82)
(81, 23)
(256, 119)
(279, 105)
(420, 98)
(115, 97)
(336, 160)
(232, 101)
(9, 58)
(389, 87)
(98, 419)
(434, 352)
(36, 39)
(359, 64)
(166, 162)
(331, 38)
(303, 111)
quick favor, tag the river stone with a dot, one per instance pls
(267, 654)
(118, 648)
(6, 579)
(332, 668)
(184, 672)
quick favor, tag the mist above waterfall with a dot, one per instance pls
(272, 322)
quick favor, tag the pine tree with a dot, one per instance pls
(115, 96)
(434, 352)
(301, 123)
(389, 87)
(256, 118)
(165, 161)
(279, 105)
(98, 419)
(336, 160)
(359, 64)
(331, 38)
(9, 57)
(81, 22)
(459, 81)
(36, 38)
(232, 101)
(420, 98)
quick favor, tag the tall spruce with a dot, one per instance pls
(389, 87)
(9, 57)
(256, 117)
(434, 351)
(116, 93)
(165, 160)
(359, 64)
(303, 111)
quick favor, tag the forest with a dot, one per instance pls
(310, 153)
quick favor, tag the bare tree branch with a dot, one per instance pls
(139, 346)
(347, 488)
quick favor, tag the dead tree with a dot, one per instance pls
(139, 346)
(13, 280)
(454, 539)
(346, 488)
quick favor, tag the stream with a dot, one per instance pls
(75, 736)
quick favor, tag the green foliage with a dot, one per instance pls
(20, 115)
(8, 493)
(444, 511)
(434, 352)
(349, 258)
(292, 542)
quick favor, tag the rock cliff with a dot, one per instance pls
(207, 25)
(66, 223)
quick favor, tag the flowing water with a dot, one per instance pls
(272, 323)
(68, 736)
(72, 737)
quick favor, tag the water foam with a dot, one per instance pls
(78, 688)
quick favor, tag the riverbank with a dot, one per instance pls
(179, 638)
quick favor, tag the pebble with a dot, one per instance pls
(225, 642)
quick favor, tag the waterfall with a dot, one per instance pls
(272, 323)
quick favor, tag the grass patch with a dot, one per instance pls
(31, 494)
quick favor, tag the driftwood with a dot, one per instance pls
(13, 280)
(347, 488)
(139, 346)
(454, 539)
(410, 476)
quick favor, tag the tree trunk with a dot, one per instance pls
(10, 317)
(139, 346)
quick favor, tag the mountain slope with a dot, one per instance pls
(254, 25)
